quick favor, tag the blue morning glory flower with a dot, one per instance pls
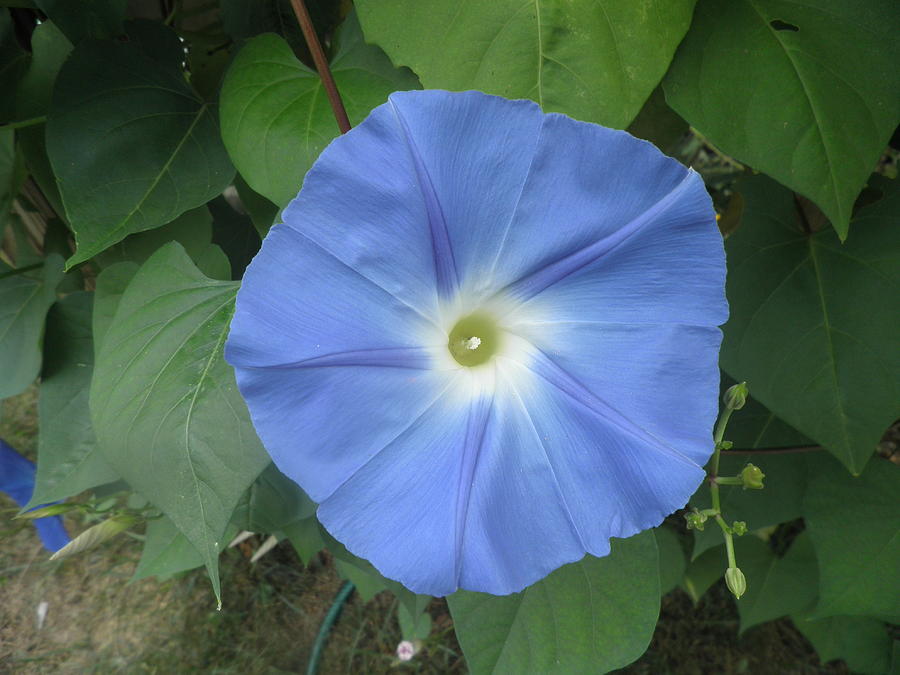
(17, 480)
(485, 339)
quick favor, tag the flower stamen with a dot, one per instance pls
(474, 340)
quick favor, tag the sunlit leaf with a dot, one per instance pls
(275, 116)
(165, 405)
(594, 615)
(595, 61)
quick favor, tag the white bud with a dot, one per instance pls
(406, 650)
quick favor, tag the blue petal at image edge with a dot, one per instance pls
(17, 480)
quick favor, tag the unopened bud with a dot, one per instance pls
(752, 477)
(736, 582)
(406, 650)
(739, 528)
(735, 396)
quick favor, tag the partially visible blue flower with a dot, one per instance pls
(485, 339)
(17, 480)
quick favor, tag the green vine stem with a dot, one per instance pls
(751, 477)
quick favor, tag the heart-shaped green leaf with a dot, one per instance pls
(812, 321)
(276, 118)
(132, 146)
(591, 616)
(165, 405)
(595, 61)
(808, 93)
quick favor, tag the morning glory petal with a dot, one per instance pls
(295, 282)
(369, 201)
(485, 339)
(321, 425)
(581, 195)
(404, 510)
(478, 191)
(588, 476)
(660, 374)
(666, 266)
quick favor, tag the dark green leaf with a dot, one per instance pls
(275, 116)
(776, 586)
(11, 175)
(305, 537)
(13, 63)
(214, 263)
(166, 552)
(261, 211)
(236, 234)
(597, 62)
(49, 49)
(658, 123)
(863, 643)
(812, 321)
(24, 301)
(86, 18)
(591, 616)
(855, 526)
(192, 229)
(813, 107)
(672, 561)
(68, 459)
(157, 41)
(779, 501)
(165, 405)
(132, 146)
(110, 286)
(273, 503)
(754, 426)
(704, 571)
(416, 624)
(243, 19)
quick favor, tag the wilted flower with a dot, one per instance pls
(485, 339)
(17, 480)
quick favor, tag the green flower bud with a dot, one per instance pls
(752, 477)
(739, 528)
(736, 582)
(735, 396)
(695, 520)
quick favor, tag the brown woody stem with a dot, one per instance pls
(315, 48)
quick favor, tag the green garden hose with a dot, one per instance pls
(327, 623)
